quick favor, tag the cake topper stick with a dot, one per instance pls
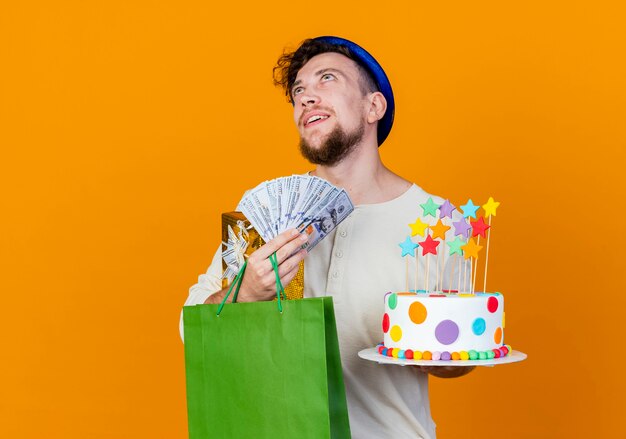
(408, 249)
(490, 210)
(431, 208)
(445, 211)
(451, 274)
(443, 264)
(427, 273)
(460, 265)
(436, 286)
(469, 210)
(486, 260)
(470, 251)
(407, 274)
(417, 228)
(475, 270)
(417, 269)
(465, 274)
(479, 228)
(439, 232)
(429, 245)
(465, 266)
(455, 249)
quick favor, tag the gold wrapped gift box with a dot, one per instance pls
(233, 246)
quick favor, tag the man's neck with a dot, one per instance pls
(364, 176)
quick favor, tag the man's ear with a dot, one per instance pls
(377, 107)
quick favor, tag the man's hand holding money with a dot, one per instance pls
(259, 280)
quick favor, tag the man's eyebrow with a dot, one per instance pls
(329, 69)
(318, 73)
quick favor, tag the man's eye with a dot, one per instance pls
(297, 90)
(327, 76)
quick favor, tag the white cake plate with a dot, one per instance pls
(372, 354)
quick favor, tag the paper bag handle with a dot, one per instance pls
(280, 290)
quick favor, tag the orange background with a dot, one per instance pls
(126, 129)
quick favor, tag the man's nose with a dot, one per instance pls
(308, 99)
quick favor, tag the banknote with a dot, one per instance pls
(326, 218)
(307, 203)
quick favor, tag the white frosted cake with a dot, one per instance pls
(444, 326)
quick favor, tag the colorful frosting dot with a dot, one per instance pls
(385, 323)
(456, 356)
(426, 355)
(436, 355)
(393, 301)
(473, 355)
(417, 313)
(445, 356)
(490, 355)
(396, 333)
(479, 326)
(447, 332)
(394, 352)
(497, 353)
(492, 304)
(402, 354)
(417, 355)
(497, 336)
(464, 355)
(384, 352)
(408, 354)
(482, 355)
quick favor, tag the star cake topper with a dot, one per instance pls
(469, 209)
(439, 230)
(408, 247)
(471, 249)
(479, 227)
(430, 208)
(429, 246)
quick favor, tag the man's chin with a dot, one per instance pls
(315, 141)
(330, 149)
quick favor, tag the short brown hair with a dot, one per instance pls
(290, 63)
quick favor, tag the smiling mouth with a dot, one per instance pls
(315, 119)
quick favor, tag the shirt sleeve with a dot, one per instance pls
(208, 283)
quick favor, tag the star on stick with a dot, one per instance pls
(471, 249)
(479, 227)
(469, 209)
(461, 227)
(408, 247)
(446, 209)
(455, 246)
(418, 227)
(430, 208)
(429, 246)
(439, 230)
(490, 207)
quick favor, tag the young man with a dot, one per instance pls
(343, 109)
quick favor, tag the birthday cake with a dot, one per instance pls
(446, 324)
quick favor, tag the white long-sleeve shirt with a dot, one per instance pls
(357, 263)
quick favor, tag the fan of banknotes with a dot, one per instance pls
(303, 202)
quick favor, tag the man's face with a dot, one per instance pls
(329, 108)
